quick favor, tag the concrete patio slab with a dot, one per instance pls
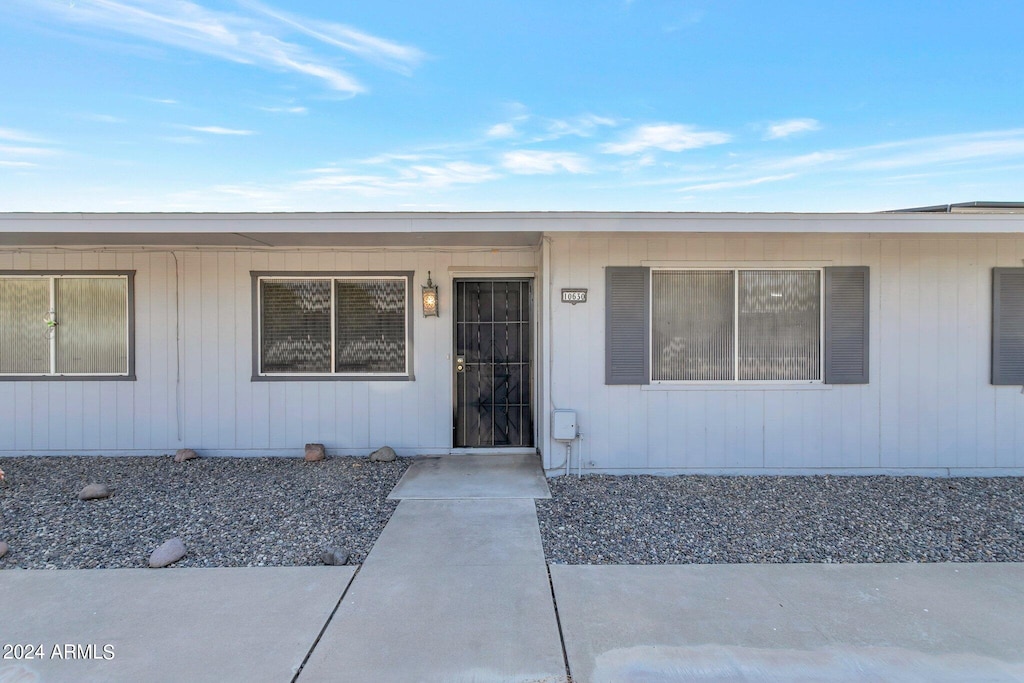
(473, 476)
(469, 623)
(252, 624)
(928, 622)
(460, 533)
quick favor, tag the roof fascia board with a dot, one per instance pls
(255, 224)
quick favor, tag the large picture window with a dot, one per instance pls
(338, 326)
(721, 325)
(65, 325)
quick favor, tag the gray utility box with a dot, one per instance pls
(563, 425)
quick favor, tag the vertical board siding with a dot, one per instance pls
(928, 404)
(222, 409)
(80, 415)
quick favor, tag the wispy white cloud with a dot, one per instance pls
(501, 130)
(182, 139)
(219, 130)
(22, 151)
(540, 129)
(804, 160)
(920, 157)
(669, 137)
(381, 51)
(784, 129)
(390, 158)
(284, 110)
(18, 146)
(582, 126)
(457, 172)
(533, 162)
(945, 149)
(925, 152)
(13, 135)
(256, 38)
(102, 118)
(234, 197)
(248, 192)
(402, 179)
(159, 100)
(732, 184)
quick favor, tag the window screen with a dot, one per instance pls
(779, 315)
(92, 319)
(692, 325)
(333, 325)
(735, 325)
(24, 336)
(370, 325)
(296, 331)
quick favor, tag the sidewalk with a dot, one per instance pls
(457, 589)
(809, 622)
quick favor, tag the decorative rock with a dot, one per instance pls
(94, 492)
(169, 553)
(386, 454)
(4, 548)
(184, 454)
(335, 557)
(315, 452)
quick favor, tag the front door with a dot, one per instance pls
(493, 363)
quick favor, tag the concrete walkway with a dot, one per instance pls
(463, 477)
(232, 624)
(453, 590)
(456, 589)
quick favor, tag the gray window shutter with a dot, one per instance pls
(627, 325)
(846, 325)
(1008, 326)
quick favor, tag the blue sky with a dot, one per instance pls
(648, 105)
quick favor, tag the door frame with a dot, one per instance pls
(496, 274)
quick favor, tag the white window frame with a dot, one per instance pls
(53, 276)
(736, 381)
(406, 373)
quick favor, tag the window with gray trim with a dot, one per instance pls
(334, 326)
(68, 324)
(720, 325)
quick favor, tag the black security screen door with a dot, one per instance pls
(493, 347)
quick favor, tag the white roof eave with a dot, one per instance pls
(476, 228)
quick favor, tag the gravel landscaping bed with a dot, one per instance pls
(706, 519)
(230, 512)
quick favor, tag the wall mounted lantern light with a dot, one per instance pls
(430, 302)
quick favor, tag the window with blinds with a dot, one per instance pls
(736, 325)
(334, 325)
(65, 325)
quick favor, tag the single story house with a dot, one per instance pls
(682, 342)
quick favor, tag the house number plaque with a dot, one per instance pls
(574, 296)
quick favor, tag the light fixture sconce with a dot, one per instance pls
(430, 301)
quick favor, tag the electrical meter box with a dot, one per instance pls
(563, 425)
